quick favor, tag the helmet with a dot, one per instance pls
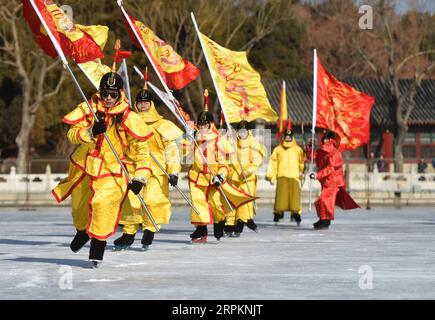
(111, 80)
(144, 95)
(205, 117)
(243, 125)
(288, 133)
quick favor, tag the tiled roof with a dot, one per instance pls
(300, 102)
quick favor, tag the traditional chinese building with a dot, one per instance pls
(420, 139)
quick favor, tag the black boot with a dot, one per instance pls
(277, 216)
(321, 224)
(147, 239)
(251, 225)
(199, 235)
(80, 239)
(124, 242)
(96, 253)
(297, 218)
(239, 228)
(229, 231)
(218, 229)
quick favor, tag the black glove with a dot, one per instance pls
(312, 176)
(218, 180)
(136, 186)
(99, 127)
(173, 180)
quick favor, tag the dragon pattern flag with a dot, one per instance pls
(175, 71)
(342, 109)
(240, 89)
(79, 43)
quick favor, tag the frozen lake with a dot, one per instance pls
(383, 253)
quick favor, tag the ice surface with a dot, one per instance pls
(383, 253)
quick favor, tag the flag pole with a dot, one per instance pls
(125, 69)
(155, 159)
(159, 94)
(67, 67)
(313, 126)
(171, 97)
(220, 101)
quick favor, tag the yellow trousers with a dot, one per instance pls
(96, 205)
(245, 212)
(156, 197)
(288, 195)
(207, 200)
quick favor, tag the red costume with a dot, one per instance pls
(330, 175)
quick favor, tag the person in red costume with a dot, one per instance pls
(330, 175)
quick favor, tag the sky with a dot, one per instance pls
(402, 6)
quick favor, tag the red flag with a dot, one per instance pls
(119, 55)
(343, 109)
(175, 71)
(80, 43)
(284, 121)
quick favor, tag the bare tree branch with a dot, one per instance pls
(412, 56)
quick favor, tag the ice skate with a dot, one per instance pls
(218, 230)
(321, 224)
(297, 219)
(251, 225)
(229, 231)
(239, 228)
(124, 242)
(147, 239)
(199, 235)
(80, 239)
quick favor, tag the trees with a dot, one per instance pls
(39, 76)
(398, 47)
(402, 54)
(256, 26)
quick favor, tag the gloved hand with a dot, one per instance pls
(99, 127)
(312, 176)
(190, 135)
(136, 186)
(173, 180)
(218, 179)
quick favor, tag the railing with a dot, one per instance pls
(391, 182)
(32, 183)
(358, 180)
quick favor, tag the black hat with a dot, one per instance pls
(330, 135)
(144, 95)
(205, 117)
(111, 80)
(288, 133)
(243, 125)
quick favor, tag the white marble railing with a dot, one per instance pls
(386, 181)
(358, 181)
(34, 183)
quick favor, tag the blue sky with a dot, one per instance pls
(402, 6)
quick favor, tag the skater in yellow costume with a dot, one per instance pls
(204, 186)
(96, 181)
(286, 167)
(251, 154)
(156, 194)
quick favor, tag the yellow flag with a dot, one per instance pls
(240, 89)
(282, 110)
(94, 70)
